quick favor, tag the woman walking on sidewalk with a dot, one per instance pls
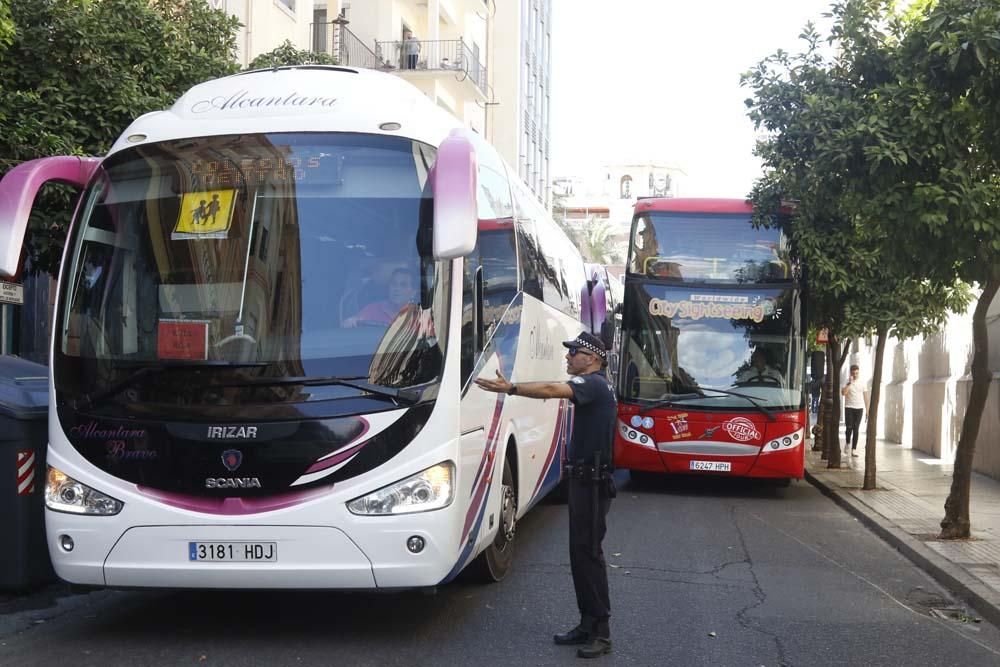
(855, 405)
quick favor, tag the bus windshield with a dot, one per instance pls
(680, 340)
(701, 247)
(278, 255)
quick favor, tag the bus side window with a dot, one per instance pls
(498, 256)
(531, 281)
(470, 264)
(493, 196)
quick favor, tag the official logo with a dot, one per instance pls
(741, 429)
(232, 458)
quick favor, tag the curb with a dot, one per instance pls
(981, 597)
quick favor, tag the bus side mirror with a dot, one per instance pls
(598, 305)
(18, 190)
(454, 183)
(586, 317)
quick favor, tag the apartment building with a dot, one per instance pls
(267, 24)
(615, 187)
(522, 89)
(484, 61)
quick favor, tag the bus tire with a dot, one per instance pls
(496, 561)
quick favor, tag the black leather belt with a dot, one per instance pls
(583, 471)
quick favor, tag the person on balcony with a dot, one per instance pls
(411, 50)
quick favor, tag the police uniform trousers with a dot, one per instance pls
(586, 556)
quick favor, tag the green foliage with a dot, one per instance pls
(849, 142)
(6, 26)
(77, 73)
(287, 54)
(891, 152)
(600, 246)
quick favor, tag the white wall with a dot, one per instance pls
(505, 119)
(925, 390)
(268, 23)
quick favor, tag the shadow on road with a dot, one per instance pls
(707, 486)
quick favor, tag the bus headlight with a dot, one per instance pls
(430, 489)
(65, 494)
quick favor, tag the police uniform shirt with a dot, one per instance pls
(594, 418)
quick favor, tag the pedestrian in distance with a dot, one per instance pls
(855, 404)
(817, 391)
(589, 482)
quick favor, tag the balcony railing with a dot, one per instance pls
(336, 40)
(452, 55)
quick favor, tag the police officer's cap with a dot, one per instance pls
(589, 342)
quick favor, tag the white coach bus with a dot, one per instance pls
(272, 302)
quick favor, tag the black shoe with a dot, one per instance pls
(575, 636)
(595, 649)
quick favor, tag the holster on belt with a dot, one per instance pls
(580, 470)
(600, 474)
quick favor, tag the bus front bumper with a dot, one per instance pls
(303, 557)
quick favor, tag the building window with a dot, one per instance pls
(290, 4)
(626, 187)
(319, 28)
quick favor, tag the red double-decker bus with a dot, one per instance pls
(713, 346)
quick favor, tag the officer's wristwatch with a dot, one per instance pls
(512, 391)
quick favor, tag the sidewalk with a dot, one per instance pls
(906, 510)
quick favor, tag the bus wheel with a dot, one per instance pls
(494, 564)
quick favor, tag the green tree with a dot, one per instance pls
(948, 101)
(794, 100)
(599, 242)
(833, 148)
(287, 54)
(559, 210)
(77, 72)
(6, 26)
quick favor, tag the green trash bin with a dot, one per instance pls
(24, 406)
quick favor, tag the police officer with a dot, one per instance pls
(589, 482)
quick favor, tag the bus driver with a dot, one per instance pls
(759, 371)
(402, 292)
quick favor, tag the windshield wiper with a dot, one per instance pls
(697, 393)
(408, 396)
(88, 400)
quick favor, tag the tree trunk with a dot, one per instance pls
(833, 418)
(956, 524)
(827, 404)
(819, 440)
(872, 428)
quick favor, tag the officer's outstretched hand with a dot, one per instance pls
(499, 386)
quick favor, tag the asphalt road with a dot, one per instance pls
(704, 572)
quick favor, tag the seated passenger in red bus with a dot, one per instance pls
(402, 292)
